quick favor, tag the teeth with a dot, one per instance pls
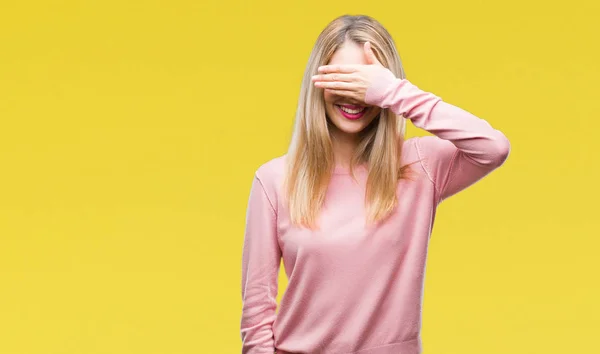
(351, 111)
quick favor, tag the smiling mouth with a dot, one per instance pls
(351, 111)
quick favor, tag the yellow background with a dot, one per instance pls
(130, 131)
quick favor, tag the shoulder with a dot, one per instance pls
(272, 169)
(270, 175)
(436, 155)
(431, 145)
(421, 148)
(431, 152)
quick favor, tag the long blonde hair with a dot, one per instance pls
(310, 159)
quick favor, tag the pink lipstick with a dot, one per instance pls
(351, 111)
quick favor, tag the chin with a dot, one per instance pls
(350, 127)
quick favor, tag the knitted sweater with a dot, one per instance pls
(355, 288)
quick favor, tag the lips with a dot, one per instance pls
(355, 114)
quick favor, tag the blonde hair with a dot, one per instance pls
(310, 159)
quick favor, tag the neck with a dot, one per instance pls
(344, 146)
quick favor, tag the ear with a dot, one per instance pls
(371, 58)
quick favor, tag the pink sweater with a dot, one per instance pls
(352, 288)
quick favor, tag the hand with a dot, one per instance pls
(351, 80)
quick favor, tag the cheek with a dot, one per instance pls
(329, 102)
(329, 97)
(373, 115)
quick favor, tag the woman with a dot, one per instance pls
(350, 207)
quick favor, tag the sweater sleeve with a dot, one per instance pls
(261, 257)
(463, 148)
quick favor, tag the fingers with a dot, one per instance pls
(371, 58)
(334, 77)
(348, 68)
(335, 85)
(345, 93)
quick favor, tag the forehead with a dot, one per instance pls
(349, 53)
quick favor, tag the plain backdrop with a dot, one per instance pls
(130, 132)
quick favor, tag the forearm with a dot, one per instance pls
(475, 137)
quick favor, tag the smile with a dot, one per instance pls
(351, 112)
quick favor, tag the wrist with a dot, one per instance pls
(380, 88)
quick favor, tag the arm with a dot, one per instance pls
(261, 258)
(464, 148)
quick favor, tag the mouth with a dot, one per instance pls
(351, 111)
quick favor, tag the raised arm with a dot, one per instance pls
(261, 259)
(464, 148)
